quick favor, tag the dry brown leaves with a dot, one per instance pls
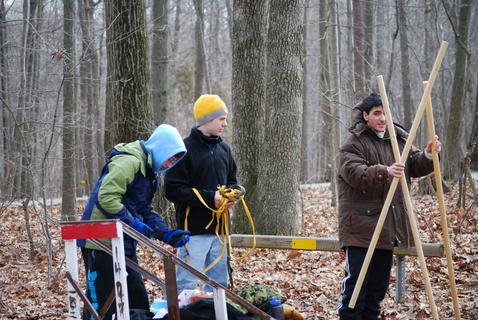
(310, 280)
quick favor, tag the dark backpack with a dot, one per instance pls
(204, 310)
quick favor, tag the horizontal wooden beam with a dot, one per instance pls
(320, 244)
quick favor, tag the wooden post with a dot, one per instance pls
(393, 186)
(407, 198)
(220, 307)
(72, 268)
(441, 204)
(171, 288)
(119, 272)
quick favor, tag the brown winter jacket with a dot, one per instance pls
(363, 184)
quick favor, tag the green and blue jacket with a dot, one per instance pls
(129, 180)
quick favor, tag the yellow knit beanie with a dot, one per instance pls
(208, 107)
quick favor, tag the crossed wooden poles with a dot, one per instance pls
(424, 103)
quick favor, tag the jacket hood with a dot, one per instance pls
(359, 125)
(164, 143)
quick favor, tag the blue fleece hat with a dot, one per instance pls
(164, 143)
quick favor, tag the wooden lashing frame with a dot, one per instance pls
(96, 230)
(405, 191)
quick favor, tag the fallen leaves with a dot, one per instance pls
(309, 279)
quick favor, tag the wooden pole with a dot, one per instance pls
(393, 185)
(407, 198)
(441, 205)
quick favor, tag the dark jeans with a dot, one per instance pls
(374, 287)
(100, 279)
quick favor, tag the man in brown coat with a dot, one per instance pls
(366, 170)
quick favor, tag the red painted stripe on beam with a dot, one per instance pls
(89, 231)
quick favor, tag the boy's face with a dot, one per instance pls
(376, 119)
(215, 127)
(168, 163)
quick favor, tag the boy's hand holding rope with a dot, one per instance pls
(225, 198)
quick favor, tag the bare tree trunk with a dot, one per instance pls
(325, 98)
(306, 112)
(159, 61)
(336, 98)
(359, 48)
(347, 70)
(473, 143)
(407, 102)
(88, 88)
(248, 95)
(229, 17)
(128, 113)
(381, 25)
(369, 30)
(3, 100)
(68, 212)
(173, 116)
(454, 145)
(100, 94)
(26, 65)
(279, 170)
(177, 27)
(425, 185)
(23, 150)
(201, 70)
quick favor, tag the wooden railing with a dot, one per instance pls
(94, 230)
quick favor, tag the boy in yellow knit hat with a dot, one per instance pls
(208, 164)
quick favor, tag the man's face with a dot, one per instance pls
(215, 127)
(376, 119)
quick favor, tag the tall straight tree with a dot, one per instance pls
(68, 212)
(473, 143)
(128, 114)
(3, 95)
(27, 99)
(248, 93)
(359, 48)
(325, 94)
(369, 28)
(201, 70)
(306, 110)
(454, 144)
(279, 168)
(89, 89)
(335, 95)
(405, 65)
(159, 61)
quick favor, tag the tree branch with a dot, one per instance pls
(457, 35)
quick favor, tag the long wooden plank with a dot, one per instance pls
(320, 244)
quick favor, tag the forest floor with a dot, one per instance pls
(309, 280)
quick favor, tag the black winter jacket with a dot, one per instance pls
(208, 164)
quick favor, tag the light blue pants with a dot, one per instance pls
(203, 250)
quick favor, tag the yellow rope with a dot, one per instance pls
(221, 215)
